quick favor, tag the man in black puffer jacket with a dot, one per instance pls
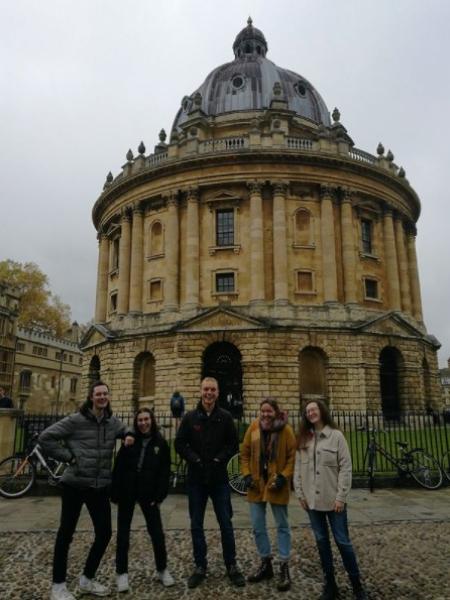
(207, 439)
(86, 441)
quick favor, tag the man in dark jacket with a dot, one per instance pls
(207, 439)
(86, 441)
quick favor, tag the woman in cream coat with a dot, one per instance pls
(322, 482)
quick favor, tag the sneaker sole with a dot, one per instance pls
(101, 594)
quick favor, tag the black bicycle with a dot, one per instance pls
(445, 464)
(422, 467)
(18, 473)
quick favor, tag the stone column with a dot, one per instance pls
(124, 264)
(390, 253)
(137, 259)
(192, 249)
(405, 293)
(101, 301)
(172, 246)
(257, 294)
(348, 249)
(328, 245)
(414, 282)
(280, 259)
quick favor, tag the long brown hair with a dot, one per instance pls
(154, 429)
(306, 429)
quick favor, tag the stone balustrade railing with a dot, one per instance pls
(237, 143)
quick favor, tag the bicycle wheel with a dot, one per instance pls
(17, 475)
(445, 464)
(425, 469)
(369, 464)
(235, 478)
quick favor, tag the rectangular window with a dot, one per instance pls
(366, 236)
(225, 227)
(113, 302)
(225, 283)
(40, 351)
(155, 290)
(305, 281)
(20, 347)
(371, 289)
(25, 381)
(73, 385)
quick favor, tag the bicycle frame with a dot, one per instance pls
(36, 452)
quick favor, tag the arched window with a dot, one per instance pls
(303, 231)
(25, 382)
(156, 242)
(312, 374)
(94, 370)
(144, 375)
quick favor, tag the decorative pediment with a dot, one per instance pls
(219, 319)
(222, 198)
(96, 334)
(390, 324)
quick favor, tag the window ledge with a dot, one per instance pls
(378, 300)
(365, 256)
(305, 293)
(114, 272)
(224, 295)
(235, 247)
(304, 246)
(155, 256)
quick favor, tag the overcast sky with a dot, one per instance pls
(81, 81)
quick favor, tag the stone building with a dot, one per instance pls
(47, 372)
(259, 245)
(9, 311)
(445, 383)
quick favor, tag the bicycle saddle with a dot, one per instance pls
(402, 444)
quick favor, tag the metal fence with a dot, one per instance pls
(429, 431)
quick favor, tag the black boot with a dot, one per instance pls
(265, 571)
(359, 592)
(284, 581)
(330, 589)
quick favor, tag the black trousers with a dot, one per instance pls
(152, 517)
(99, 507)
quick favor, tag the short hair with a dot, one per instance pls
(208, 378)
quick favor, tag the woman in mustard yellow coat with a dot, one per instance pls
(267, 463)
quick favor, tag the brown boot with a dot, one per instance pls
(264, 571)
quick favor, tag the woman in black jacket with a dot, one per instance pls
(141, 474)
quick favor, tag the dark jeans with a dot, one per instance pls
(97, 503)
(198, 497)
(154, 527)
(339, 528)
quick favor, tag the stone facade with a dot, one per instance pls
(9, 306)
(47, 373)
(262, 247)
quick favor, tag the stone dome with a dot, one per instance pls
(247, 83)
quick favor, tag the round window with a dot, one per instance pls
(238, 82)
(301, 88)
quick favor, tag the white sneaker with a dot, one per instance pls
(90, 586)
(166, 578)
(122, 582)
(60, 592)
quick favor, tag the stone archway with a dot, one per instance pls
(222, 361)
(312, 375)
(390, 364)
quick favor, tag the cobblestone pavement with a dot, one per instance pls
(401, 559)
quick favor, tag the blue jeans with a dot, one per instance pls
(219, 493)
(339, 528)
(280, 515)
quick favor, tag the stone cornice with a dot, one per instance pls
(177, 166)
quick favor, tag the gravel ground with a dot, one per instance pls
(407, 560)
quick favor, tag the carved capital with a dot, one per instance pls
(410, 229)
(125, 214)
(347, 195)
(327, 192)
(193, 194)
(254, 187)
(172, 199)
(137, 208)
(280, 188)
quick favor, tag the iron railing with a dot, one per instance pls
(429, 431)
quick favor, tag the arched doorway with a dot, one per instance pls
(94, 370)
(222, 360)
(144, 377)
(390, 361)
